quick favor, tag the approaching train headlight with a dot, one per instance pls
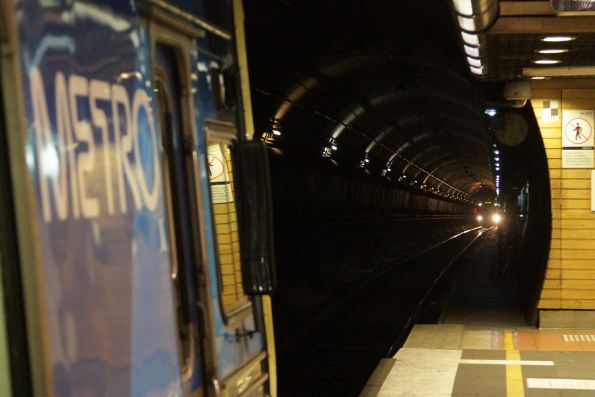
(496, 218)
(479, 218)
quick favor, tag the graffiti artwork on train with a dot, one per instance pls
(70, 160)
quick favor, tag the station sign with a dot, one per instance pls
(573, 7)
(577, 139)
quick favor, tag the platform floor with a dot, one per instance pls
(443, 360)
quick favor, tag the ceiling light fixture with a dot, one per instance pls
(553, 51)
(557, 39)
(547, 61)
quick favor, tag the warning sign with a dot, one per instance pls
(219, 175)
(577, 139)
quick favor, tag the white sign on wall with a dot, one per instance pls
(219, 175)
(577, 139)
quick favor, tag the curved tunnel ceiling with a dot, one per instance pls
(381, 83)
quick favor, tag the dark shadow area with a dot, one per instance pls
(484, 293)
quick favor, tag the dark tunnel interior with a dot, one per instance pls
(380, 147)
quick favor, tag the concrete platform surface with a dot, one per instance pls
(445, 360)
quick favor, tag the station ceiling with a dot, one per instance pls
(384, 86)
(515, 42)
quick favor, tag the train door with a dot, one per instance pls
(172, 109)
(198, 137)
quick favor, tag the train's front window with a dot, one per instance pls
(221, 179)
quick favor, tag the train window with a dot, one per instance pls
(168, 103)
(221, 179)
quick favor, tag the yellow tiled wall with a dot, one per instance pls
(570, 275)
(228, 246)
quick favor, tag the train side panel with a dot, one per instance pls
(103, 237)
(93, 152)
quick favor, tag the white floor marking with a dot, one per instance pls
(507, 362)
(574, 384)
(422, 372)
(579, 338)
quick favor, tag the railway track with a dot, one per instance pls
(335, 355)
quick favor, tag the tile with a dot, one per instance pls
(422, 372)
(497, 340)
(421, 354)
(477, 339)
(483, 354)
(556, 319)
(480, 380)
(578, 365)
(525, 340)
(585, 319)
(554, 341)
(435, 336)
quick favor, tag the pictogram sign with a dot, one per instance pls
(577, 139)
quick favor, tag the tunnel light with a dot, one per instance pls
(553, 51)
(364, 161)
(326, 152)
(497, 158)
(463, 7)
(557, 39)
(471, 51)
(332, 144)
(474, 62)
(479, 204)
(469, 38)
(496, 151)
(476, 70)
(547, 61)
(539, 78)
(491, 112)
(276, 128)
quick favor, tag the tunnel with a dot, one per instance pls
(382, 144)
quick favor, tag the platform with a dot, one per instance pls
(442, 360)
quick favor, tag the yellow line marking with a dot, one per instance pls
(508, 341)
(514, 373)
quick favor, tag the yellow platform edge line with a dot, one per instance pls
(514, 373)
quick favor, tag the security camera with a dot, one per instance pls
(517, 93)
(517, 103)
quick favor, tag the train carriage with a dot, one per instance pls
(134, 228)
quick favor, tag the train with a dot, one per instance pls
(136, 247)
